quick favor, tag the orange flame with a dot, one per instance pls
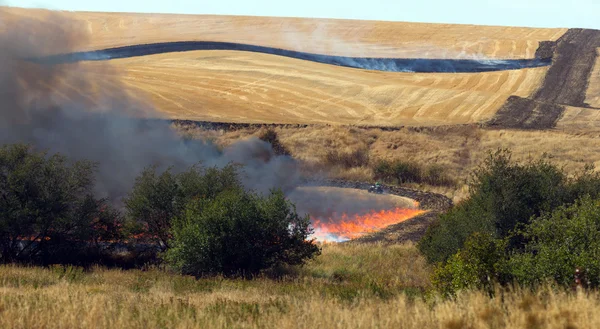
(350, 227)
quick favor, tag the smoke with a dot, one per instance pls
(333, 202)
(329, 41)
(81, 111)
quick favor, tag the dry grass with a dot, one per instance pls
(458, 149)
(347, 287)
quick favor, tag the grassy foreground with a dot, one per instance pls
(349, 286)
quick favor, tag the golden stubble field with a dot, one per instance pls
(231, 86)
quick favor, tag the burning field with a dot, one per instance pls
(83, 113)
(342, 214)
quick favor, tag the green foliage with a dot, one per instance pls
(558, 243)
(449, 232)
(156, 199)
(47, 211)
(239, 233)
(503, 195)
(479, 265)
(401, 172)
(521, 223)
(568, 238)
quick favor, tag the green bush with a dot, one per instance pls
(503, 194)
(239, 233)
(47, 211)
(478, 265)
(560, 242)
(521, 223)
(401, 172)
(156, 199)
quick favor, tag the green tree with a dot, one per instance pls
(503, 195)
(46, 205)
(478, 265)
(239, 233)
(158, 198)
(559, 242)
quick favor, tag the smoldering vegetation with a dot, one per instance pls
(420, 65)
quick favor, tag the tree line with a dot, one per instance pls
(199, 221)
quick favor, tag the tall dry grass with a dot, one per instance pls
(349, 286)
(458, 149)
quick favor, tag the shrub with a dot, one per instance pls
(558, 243)
(47, 211)
(156, 199)
(270, 136)
(353, 159)
(239, 233)
(478, 265)
(520, 223)
(400, 172)
(436, 175)
(568, 238)
(503, 194)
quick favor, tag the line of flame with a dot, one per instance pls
(344, 227)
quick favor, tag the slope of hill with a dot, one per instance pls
(243, 87)
(328, 36)
(233, 86)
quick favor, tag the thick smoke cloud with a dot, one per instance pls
(77, 110)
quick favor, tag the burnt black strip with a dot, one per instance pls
(421, 65)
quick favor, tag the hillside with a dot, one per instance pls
(247, 87)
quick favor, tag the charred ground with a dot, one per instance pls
(565, 84)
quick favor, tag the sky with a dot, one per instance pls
(529, 13)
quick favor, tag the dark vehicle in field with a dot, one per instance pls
(377, 188)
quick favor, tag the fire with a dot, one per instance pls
(346, 227)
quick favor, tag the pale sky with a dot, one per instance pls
(532, 13)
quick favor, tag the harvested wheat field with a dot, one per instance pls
(330, 36)
(227, 86)
(248, 87)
